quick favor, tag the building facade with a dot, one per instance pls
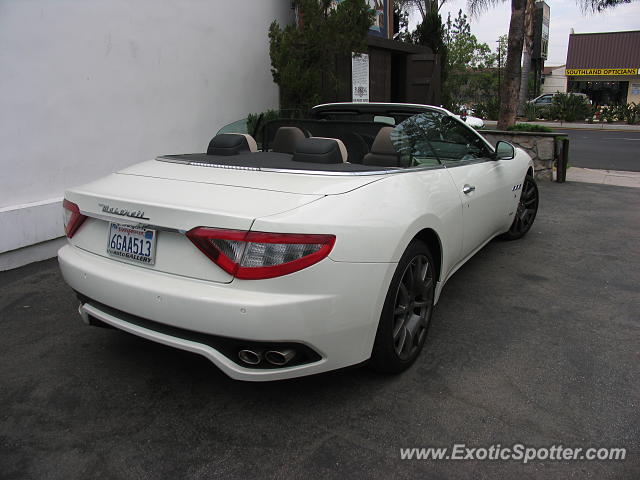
(605, 66)
(554, 80)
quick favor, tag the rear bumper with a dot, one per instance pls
(331, 307)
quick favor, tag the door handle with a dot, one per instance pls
(467, 189)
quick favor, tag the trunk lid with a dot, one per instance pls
(171, 207)
(296, 183)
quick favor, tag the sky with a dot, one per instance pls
(565, 14)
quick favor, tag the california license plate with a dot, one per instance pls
(132, 242)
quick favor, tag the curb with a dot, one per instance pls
(618, 178)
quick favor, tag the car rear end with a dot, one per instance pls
(168, 253)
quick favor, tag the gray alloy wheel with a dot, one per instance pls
(526, 212)
(407, 311)
(412, 307)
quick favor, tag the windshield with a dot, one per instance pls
(434, 138)
(254, 123)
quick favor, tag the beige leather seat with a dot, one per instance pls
(383, 153)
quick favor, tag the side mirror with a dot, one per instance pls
(504, 151)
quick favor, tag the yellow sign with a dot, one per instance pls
(601, 71)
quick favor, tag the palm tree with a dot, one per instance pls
(527, 52)
(423, 6)
(515, 40)
(511, 86)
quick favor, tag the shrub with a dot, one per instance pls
(252, 120)
(569, 108)
(544, 113)
(489, 110)
(607, 113)
(630, 112)
(530, 112)
(527, 127)
(303, 62)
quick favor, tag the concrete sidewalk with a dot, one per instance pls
(576, 126)
(604, 177)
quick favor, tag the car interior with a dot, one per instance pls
(346, 141)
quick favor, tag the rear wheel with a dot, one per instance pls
(526, 212)
(407, 311)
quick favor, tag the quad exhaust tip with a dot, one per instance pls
(279, 357)
(250, 357)
(84, 315)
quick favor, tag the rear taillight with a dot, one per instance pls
(257, 255)
(72, 218)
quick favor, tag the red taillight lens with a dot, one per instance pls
(72, 218)
(258, 255)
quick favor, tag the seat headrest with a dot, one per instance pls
(286, 138)
(383, 153)
(231, 144)
(382, 143)
(320, 150)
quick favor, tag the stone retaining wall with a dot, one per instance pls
(544, 148)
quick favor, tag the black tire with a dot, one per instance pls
(407, 311)
(526, 212)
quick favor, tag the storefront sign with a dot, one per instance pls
(360, 77)
(601, 71)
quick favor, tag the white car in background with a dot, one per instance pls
(323, 244)
(465, 116)
(472, 121)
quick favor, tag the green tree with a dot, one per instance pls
(472, 66)
(430, 33)
(464, 49)
(304, 55)
(600, 5)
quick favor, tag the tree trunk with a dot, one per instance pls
(524, 79)
(527, 51)
(511, 85)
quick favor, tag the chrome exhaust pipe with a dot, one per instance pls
(84, 315)
(250, 357)
(279, 357)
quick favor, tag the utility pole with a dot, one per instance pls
(499, 69)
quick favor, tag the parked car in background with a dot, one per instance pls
(472, 121)
(327, 246)
(546, 99)
(466, 115)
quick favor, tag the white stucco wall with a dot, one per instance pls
(90, 86)
(556, 82)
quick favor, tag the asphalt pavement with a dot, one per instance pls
(533, 342)
(604, 149)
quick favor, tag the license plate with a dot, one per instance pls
(132, 242)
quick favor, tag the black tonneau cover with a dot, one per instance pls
(270, 160)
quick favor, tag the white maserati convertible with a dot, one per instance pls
(307, 246)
